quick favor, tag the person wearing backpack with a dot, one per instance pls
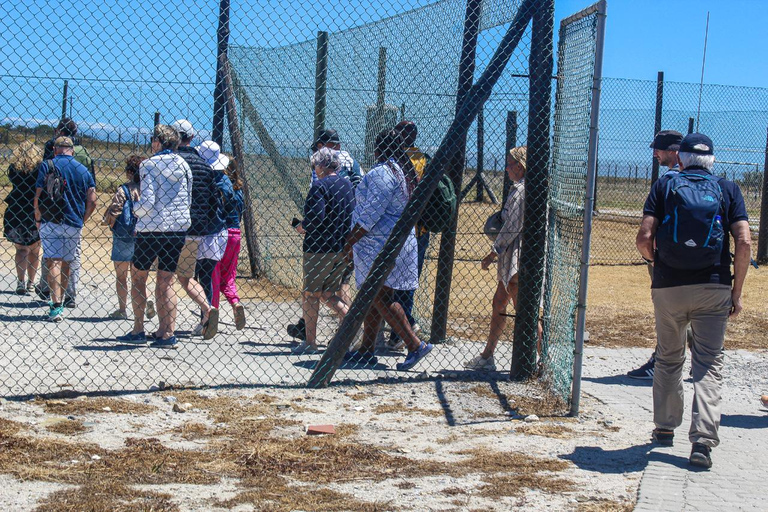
(66, 128)
(65, 197)
(121, 220)
(685, 232)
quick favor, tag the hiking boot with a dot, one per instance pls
(70, 302)
(56, 313)
(297, 330)
(414, 357)
(700, 456)
(481, 364)
(645, 372)
(663, 437)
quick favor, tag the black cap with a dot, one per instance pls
(697, 143)
(667, 140)
(326, 136)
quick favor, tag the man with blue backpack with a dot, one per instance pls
(689, 216)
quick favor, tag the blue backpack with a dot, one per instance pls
(691, 235)
(125, 224)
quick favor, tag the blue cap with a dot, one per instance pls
(697, 143)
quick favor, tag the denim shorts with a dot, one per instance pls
(122, 248)
(60, 241)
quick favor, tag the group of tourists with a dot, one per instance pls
(178, 212)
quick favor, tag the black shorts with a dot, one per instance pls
(163, 247)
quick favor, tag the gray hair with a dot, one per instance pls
(696, 160)
(326, 157)
(167, 136)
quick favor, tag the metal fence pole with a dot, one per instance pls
(657, 121)
(480, 157)
(532, 251)
(321, 80)
(157, 119)
(594, 123)
(219, 103)
(64, 99)
(238, 152)
(511, 141)
(762, 238)
(690, 124)
(455, 170)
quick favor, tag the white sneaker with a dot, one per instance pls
(304, 348)
(198, 330)
(479, 363)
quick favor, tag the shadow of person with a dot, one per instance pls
(595, 458)
(621, 379)
(744, 421)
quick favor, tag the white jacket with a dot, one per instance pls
(166, 193)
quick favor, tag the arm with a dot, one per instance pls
(90, 203)
(743, 244)
(646, 235)
(353, 237)
(115, 208)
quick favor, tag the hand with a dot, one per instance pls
(735, 305)
(490, 258)
(300, 229)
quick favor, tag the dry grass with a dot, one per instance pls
(546, 430)
(515, 485)
(543, 404)
(107, 496)
(96, 405)
(601, 505)
(400, 407)
(67, 427)
(277, 497)
(9, 427)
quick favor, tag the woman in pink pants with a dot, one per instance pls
(226, 270)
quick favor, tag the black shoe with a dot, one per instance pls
(69, 302)
(663, 437)
(43, 294)
(297, 330)
(645, 372)
(700, 456)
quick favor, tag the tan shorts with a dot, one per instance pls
(323, 272)
(188, 259)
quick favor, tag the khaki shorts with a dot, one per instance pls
(323, 272)
(188, 259)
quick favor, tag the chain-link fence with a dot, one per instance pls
(736, 118)
(328, 243)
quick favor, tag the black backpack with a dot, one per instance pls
(52, 202)
(691, 234)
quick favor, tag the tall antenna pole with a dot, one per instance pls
(703, 62)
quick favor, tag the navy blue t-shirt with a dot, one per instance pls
(733, 210)
(79, 180)
(328, 214)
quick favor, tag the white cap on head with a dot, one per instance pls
(184, 128)
(211, 153)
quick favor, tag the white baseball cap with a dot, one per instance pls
(211, 153)
(184, 128)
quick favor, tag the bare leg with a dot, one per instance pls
(121, 283)
(311, 310)
(21, 260)
(166, 304)
(66, 268)
(33, 260)
(394, 314)
(195, 292)
(54, 280)
(138, 298)
(498, 320)
(371, 328)
(336, 303)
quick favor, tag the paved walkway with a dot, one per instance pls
(740, 464)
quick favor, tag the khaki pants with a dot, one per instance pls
(706, 307)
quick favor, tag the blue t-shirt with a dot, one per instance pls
(79, 180)
(733, 210)
(328, 214)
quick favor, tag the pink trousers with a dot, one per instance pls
(226, 271)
